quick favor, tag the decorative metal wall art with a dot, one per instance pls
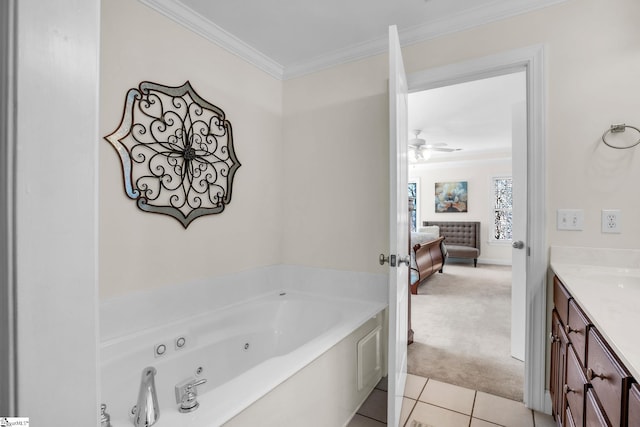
(176, 151)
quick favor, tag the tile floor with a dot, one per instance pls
(431, 403)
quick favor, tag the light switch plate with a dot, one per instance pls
(570, 219)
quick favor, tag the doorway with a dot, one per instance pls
(471, 130)
(534, 241)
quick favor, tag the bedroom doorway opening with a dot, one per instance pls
(469, 323)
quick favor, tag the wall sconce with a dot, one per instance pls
(176, 151)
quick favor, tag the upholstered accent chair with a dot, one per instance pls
(461, 238)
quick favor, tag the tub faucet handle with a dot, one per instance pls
(187, 395)
(105, 418)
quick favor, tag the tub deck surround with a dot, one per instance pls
(143, 310)
(245, 349)
(606, 285)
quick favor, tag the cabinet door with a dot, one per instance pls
(593, 416)
(569, 419)
(555, 361)
(634, 406)
(558, 370)
(609, 378)
(575, 386)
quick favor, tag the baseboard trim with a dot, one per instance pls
(547, 403)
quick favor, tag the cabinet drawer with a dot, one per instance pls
(634, 406)
(610, 380)
(561, 299)
(577, 327)
(593, 416)
(575, 386)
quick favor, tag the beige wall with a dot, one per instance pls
(313, 186)
(478, 175)
(336, 132)
(140, 250)
(336, 199)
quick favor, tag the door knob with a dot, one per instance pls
(394, 260)
(518, 244)
(391, 259)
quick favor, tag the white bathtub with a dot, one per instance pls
(244, 351)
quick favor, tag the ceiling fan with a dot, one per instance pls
(422, 150)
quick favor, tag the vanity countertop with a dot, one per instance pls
(609, 294)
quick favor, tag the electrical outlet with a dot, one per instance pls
(570, 219)
(611, 219)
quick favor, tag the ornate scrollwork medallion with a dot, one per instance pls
(176, 151)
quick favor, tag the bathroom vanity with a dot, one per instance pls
(595, 349)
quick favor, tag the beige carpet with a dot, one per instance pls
(462, 324)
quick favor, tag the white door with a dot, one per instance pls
(519, 251)
(399, 229)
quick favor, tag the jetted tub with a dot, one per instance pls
(246, 351)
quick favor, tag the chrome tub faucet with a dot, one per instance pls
(146, 412)
(187, 394)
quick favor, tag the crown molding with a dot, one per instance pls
(482, 15)
(471, 18)
(498, 10)
(185, 16)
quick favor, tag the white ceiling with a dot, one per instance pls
(475, 116)
(288, 38)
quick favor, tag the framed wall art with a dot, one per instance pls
(451, 196)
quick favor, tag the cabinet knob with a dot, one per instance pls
(568, 389)
(591, 375)
(553, 338)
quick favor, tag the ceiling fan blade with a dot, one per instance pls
(443, 149)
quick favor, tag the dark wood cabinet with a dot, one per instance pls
(575, 387)
(561, 300)
(593, 415)
(559, 342)
(634, 406)
(589, 385)
(609, 378)
(560, 351)
(568, 417)
(577, 328)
